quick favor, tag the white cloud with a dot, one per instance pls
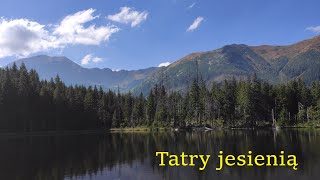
(164, 64)
(315, 29)
(89, 58)
(22, 37)
(195, 24)
(192, 5)
(116, 70)
(128, 15)
(71, 30)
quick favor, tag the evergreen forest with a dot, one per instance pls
(29, 104)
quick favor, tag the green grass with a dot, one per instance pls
(310, 124)
(138, 129)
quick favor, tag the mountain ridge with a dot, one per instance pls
(272, 63)
(72, 73)
(275, 64)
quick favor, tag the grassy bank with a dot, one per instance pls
(138, 129)
(310, 124)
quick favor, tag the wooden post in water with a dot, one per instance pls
(273, 120)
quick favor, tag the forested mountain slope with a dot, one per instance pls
(72, 73)
(272, 63)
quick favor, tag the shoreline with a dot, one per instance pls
(306, 125)
(139, 129)
(51, 133)
(143, 130)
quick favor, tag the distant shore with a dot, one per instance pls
(310, 124)
(50, 133)
(139, 129)
(306, 125)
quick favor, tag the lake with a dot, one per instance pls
(121, 156)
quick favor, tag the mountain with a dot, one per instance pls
(300, 60)
(272, 63)
(72, 73)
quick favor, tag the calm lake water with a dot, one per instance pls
(132, 155)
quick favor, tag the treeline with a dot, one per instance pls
(235, 103)
(30, 104)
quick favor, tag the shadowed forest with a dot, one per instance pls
(28, 104)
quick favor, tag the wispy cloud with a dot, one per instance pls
(191, 5)
(315, 29)
(22, 37)
(196, 23)
(128, 15)
(164, 64)
(89, 58)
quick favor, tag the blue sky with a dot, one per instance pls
(128, 34)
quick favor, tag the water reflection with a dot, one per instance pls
(132, 155)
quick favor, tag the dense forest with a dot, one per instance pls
(29, 104)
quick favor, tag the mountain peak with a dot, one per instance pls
(44, 59)
(234, 47)
(271, 63)
(71, 73)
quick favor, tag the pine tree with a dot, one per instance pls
(58, 95)
(151, 107)
(89, 100)
(23, 81)
(195, 101)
